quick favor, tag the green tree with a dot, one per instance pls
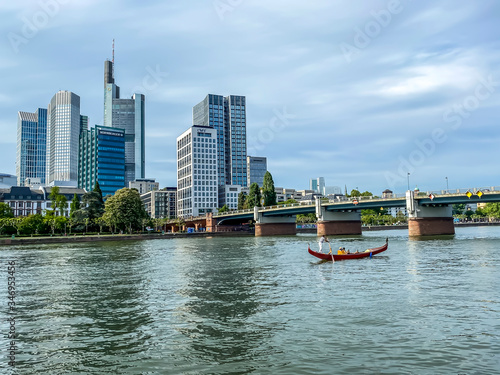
(62, 204)
(458, 209)
(125, 210)
(355, 193)
(268, 191)
(54, 193)
(58, 201)
(492, 210)
(5, 211)
(254, 197)
(98, 190)
(75, 205)
(242, 199)
(224, 208)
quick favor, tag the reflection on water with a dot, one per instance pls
(259, 305)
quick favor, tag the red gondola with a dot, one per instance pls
(364, 254)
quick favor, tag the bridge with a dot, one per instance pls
(429, 213)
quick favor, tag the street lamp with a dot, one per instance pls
(408, 180)
(447, 189)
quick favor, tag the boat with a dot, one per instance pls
(363, 254)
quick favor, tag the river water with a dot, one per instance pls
(256, 306)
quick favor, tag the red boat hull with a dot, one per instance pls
(365, 254)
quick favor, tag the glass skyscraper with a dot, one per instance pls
(129, 115)
(228, 116)
(102, 159)
(31, 146)
(63, 131)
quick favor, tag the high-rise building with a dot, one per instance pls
(228, 116)
(197, 188)
(64, 124)
(126, 114)
(31, 146)
(256, 169)
(102, 159)
(317, 184)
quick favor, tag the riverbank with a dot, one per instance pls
(116, 237)
(156, 236)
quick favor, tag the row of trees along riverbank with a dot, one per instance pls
(121, 212)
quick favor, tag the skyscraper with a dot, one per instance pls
(317, 184)
(63, 131)
(126, 114)
(228, 116)
(102, 159)
(31, 146)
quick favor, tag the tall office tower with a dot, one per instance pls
(228, 116)
(256, 169)
(197, 171)
(317, 184)
(102, 159)
(126, 114)
(63, 131)
(31, 146)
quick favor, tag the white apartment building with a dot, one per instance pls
(197, 191)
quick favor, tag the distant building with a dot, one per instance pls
(63, 132)
(228, 195)
(256, 169)
(387, 193)
(129, 115)
(31, 153)
(102, 159)
(144, 185)
(332, 190)
(317, 185)
(197, 191)
(7, 180)
(161, 204)
(227, 115)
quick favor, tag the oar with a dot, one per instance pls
(331, 251)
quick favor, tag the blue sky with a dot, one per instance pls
(360, 93)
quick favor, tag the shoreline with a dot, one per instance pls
(156, 236)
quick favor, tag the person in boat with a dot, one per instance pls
(322, 240)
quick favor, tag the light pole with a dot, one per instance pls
(447, 189)
(408, 180)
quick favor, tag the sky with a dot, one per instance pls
(368, 94)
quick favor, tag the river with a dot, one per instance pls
(251, 305)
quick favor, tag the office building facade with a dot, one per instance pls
(102, 159)
(31, 155)
(256, 169)
(197, 178)
(161, 204)
(64, 124)
(129, 115)
(228, 116)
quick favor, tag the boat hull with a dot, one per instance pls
(374, 251)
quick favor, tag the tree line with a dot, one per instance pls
(121, 212)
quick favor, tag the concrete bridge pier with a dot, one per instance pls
(274, 225)
(428, 220)
(332, 223)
